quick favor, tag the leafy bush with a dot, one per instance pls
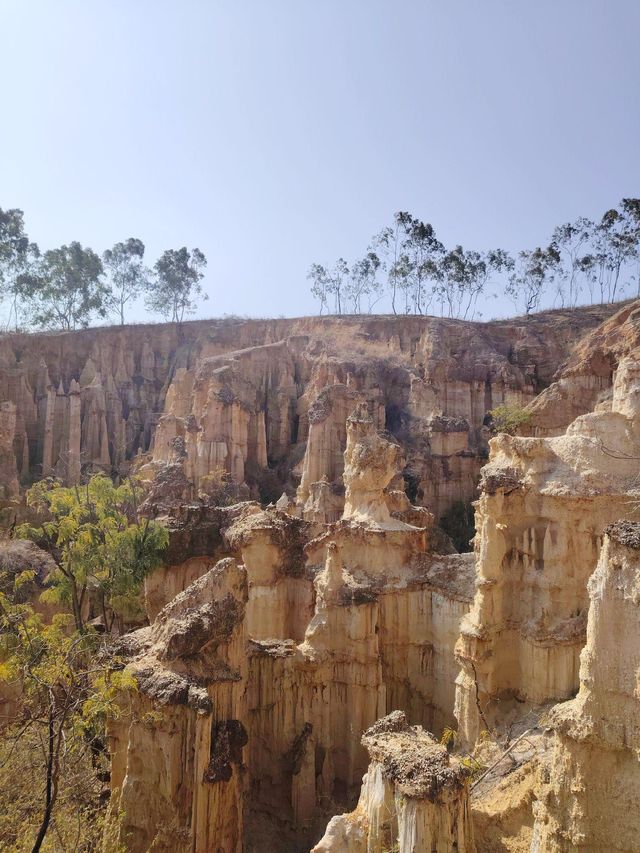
(508, 418)
(103, 549)
(60, 687)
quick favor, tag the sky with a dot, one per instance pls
(273, 134)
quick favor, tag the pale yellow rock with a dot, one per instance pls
(177, 754)
(414, 797)
(371, 463)
(540, 521)
(590, 792)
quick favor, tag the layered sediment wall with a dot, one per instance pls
(266, 401)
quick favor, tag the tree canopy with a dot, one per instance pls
(17, 257)
(52, 751)
(71, 286)
(103, 549)
(420, 274)
(173, 291)
(65, 290)
(128, 276)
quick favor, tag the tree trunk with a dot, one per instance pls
(77, 608)
(49, 799)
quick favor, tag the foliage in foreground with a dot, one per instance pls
(59, 687)
(60, 681)
(102, 548)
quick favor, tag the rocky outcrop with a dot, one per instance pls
(8, 468)
(414, 797)
(371, 463)
(585, 382)
(177, 772)
(544, 507)
(590, 793)
(305, 634)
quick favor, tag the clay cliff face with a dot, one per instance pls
(298, 634)
(585, 381)
(280, 656)
(544, 506)
(590, 793)
(266, 402)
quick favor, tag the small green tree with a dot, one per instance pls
(572, 242)
(508, 418)
(364, 282)
(337, 283)
(389, 246)
(66, 289)
(422, 250)
(102, 548)
(330, 282)
(127, 273)
(176, 284)
(62, 696)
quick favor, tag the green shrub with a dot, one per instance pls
(508, 418)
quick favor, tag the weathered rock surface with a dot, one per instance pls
(590, 797)
(305, 634)
(245, 398)
(414, 797)
(177, 772)
(586, 380)
(544, 507)
(308, 596)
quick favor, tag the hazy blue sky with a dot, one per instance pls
(274, 133)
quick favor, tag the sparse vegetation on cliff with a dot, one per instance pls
(583, 261)
(72, 286)
(508, 418)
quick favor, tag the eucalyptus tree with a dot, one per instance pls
(452, 272)
(631, 210)
(532, 272)
(572, 241)
(423, 251)
(17, 257)
(338, 278)
(389, 245)
(173, 290)
(128, 276)
(364, 282)
(65, 288)
(497, 261)
(463, 277)
(615, 245)
(319, 278)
